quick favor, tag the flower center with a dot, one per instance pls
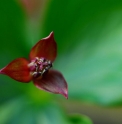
(39, 66)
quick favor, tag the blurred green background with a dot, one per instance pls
(89, 38)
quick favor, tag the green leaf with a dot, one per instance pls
(12, 37)
(79, 119)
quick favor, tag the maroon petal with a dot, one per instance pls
(18, 70)
(46, 48)
(53, 82)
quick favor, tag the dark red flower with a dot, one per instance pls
(38, 69)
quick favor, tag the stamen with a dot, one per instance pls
(39, 66)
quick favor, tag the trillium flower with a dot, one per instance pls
(38, 68)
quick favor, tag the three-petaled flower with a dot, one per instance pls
(38, 69)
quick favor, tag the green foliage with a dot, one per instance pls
(89, 38)
(79, 119)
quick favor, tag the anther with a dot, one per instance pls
(39, 66)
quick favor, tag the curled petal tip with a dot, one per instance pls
(1, 72)
(65, 94)
(64, 91)
(50, 36)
